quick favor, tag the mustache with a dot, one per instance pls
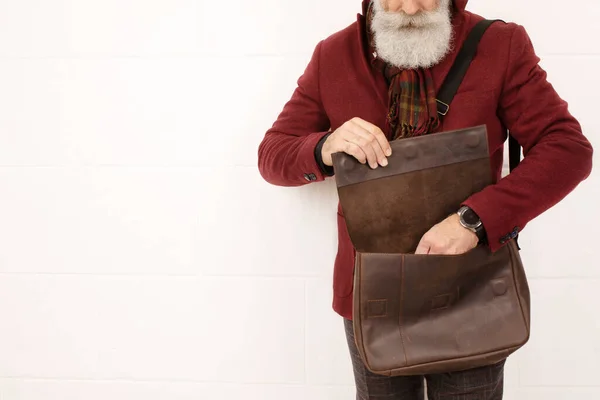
(422, 19)
(419, 20)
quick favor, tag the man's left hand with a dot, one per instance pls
(448, 237)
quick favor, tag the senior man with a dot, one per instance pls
(376, 81)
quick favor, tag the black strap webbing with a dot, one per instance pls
(514, 153)
(457, 73)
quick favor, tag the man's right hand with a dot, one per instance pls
(360, 139)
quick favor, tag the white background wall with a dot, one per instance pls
(141, 254)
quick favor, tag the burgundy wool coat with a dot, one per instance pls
(505, 88)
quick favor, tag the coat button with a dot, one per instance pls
(310, 177)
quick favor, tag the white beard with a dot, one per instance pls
(412, 42)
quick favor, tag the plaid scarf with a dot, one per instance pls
(412, 106)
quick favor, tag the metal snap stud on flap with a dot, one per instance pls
(347, 163)
(499, 287)
(472, 140)
(409, 151)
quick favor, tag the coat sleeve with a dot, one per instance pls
(557, 156)
(286, 155)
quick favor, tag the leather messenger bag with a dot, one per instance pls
(422, 314)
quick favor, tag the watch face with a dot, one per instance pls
(470, 217)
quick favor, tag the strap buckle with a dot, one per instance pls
(442, 108)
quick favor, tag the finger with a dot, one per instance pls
(436, 250)
(378, 133)
(365, 139)
(442, 250)
(357, 135)
(422, 248)
(354, 150)
(341, 144)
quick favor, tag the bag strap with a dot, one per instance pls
(458, 72)
(514, 153)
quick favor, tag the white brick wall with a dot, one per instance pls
(142, 256)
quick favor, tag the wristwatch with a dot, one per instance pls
(471, 221)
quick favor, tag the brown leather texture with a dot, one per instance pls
(389, 209)
(429, 151)
(423, 314)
